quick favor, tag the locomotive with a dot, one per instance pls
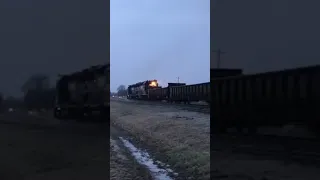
(82, 93)
(140, 90)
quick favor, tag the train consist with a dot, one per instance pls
(266, 99)
(177, 92)
(82, 93)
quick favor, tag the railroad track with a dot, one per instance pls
(189, 107)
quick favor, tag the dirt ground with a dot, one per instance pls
(36, 147)
(182, 139)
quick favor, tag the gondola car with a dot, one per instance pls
(162, 93)
(267, 99)
(189, 93)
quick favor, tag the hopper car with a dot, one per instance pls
(266, 99)
(83, 93)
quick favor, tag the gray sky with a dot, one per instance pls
(162, 39)
(264, 35)
(50, 37)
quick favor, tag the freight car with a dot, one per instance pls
(162, 93)
(83, 93)
(180, 92)
(189, 93)
(140, 90)
(266, 99)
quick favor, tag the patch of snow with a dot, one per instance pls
(144, 158)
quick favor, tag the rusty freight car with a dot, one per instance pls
(267, 99)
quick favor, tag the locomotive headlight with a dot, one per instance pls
(153, 84)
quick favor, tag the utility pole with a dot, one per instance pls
(178, 79)
(219, 52)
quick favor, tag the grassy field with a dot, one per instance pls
(181, 139)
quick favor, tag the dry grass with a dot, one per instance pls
(183, 137)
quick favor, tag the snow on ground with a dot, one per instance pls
(144, 159)
(121, 166)
(183, 137)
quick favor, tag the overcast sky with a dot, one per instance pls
(50, 37)
(159, 39)
(265, 35)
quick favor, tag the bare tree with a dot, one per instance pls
(122, 91)
(37, 92)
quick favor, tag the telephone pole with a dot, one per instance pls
(219, 52)
(178, 79)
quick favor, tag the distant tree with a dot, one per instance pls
(113, 94)
(36, 81)
(122, 91)
(121, 88)
(37, 92)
